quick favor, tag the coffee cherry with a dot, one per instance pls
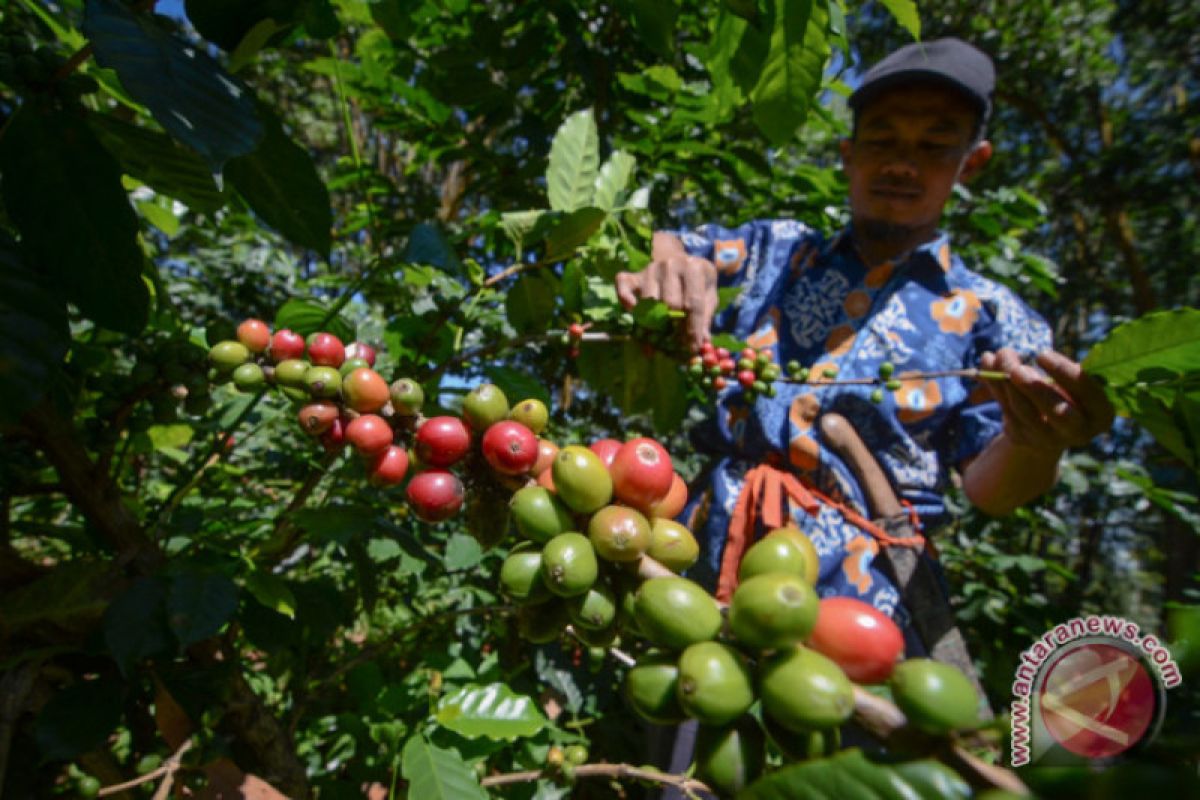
(286, 344)
(369, 434)
(316, 418)
(886, 369)
(249, 377)
(746, 378)
(323, 382)
(228, 355)
(291, 372)
(441, 441)
(255, 334)
(326, 350)
(365, 391)
(361, 350)
(435, 495)
(388, 468)
(407, 397)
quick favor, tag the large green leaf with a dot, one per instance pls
(1155, 348)
(493, 711)
(160, 162)
(72, 592)
(734, 59)
(437, 774)
(34, 335)
(427, 244)
(654, 21)
(850, 775)
(574, 161)
(905, 12)
(63, 191)
(78, 718)
(791, 74)
(668, 394)
(199, 605)
(190, 95)
(530, 302)
(280, 182)
(571, 231)
(135, 624)
(335, 523)
(613, 179)
(306, 316)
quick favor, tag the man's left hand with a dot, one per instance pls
(1065, 407)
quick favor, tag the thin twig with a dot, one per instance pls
(626, 771)
(166, 771)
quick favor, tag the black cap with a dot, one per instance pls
(951, 62)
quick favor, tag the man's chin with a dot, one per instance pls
(882, 230)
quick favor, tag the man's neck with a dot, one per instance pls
(877, 242)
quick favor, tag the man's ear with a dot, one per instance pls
(979, 156)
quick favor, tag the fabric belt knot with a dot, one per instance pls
(762, 500)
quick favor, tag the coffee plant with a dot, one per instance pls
(334, 467)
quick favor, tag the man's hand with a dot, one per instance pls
(1044, 415)
(683, 282)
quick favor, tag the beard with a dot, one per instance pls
(878, 230)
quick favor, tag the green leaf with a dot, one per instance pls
(791, 74)
(63, 191)
(462, 552)
(272, 592)
(518, 225)
(199, 605)
(160, 162)
(530, 302)
(335, 523)
(228, 22)
(572, 231)
(135, 624)
(493, 711)
(306, 316)
(71, 594)
(668, 394)
(175, 436)
(905, 12)
(34, 335)
(427, 244)
(159, 216)
(574, 161)
(613, 179)
(1160, 344)
(79, 718)
(280, 182)
(850, 775)
(436, 774)
(253, 42)
(189, 94)
(654, 21)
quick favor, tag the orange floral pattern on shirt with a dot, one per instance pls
(879, 275)
(729, 255)
(839, 341)
(917, 398)
(857, 303)
(860, 552)
(957, 312)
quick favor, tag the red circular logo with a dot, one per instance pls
(1097, 700)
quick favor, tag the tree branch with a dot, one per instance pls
(619, 771)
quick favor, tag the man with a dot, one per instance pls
(888, 289)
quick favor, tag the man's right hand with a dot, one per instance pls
(686, 283)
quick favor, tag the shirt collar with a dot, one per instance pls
(931, 261)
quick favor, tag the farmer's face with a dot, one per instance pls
(911, 145)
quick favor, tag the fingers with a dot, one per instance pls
(684, 283)
(699, 299)
(628, 284)
(1085, 392)
(1066, 410)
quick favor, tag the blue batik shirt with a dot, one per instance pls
(809, 298)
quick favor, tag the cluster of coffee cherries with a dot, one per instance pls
(28, 70)
(717, 367)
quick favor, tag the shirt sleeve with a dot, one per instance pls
(1007, 321)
